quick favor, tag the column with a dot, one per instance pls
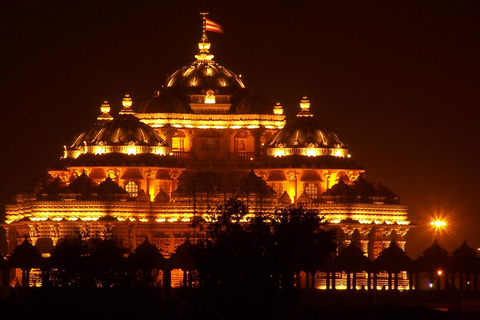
(364, 239)
(169, 132)
(348, 232)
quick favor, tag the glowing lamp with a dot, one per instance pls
(305, 104)
(311, 152)
(210, 97)
(278, 109)
(105, 108)
(279, 152)
(127, 101)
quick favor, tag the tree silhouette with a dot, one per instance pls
(65, 262)
(302, 243)
(106, 261)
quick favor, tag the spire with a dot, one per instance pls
(204, 46)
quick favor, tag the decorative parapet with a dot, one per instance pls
(184, 209)
(213, 121)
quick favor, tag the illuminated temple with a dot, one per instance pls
(151, 168)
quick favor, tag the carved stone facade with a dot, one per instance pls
(204, 137)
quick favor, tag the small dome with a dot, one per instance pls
(306, 136)
(305, 131)
(125, 134)
(126, 129)
(86, 136)
(253, 103)
(163, 103)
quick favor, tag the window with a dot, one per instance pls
(132, 189)
(178, 144)
(312, 190)
(210, 144)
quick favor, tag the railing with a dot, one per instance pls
(243, 155)
(181, 154)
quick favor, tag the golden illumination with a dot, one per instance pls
(132, 148)
(105, 108)
(305, 104)
(278, 109)
(438, 224)
(280, 152)
(311, 152)
(127, 101)
(210, 97)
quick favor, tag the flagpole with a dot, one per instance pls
(204, 35)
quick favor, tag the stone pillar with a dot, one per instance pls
(348, 232)
(364, 239)
(54, 234)
(34, 234)
(327, 281)
(257, 135)
(401, 233)
(475, 281)
(169, 132)
(410, 280)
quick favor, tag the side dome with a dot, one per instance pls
(306, 136)
(164, 103)
(253, 103)
(89, 135)
(127, 129)
(124, 134)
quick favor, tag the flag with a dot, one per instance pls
(212, 26)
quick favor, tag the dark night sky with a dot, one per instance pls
(396, 80)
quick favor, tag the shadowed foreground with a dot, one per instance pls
(238, 303)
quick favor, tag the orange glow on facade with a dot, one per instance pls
(139, 172)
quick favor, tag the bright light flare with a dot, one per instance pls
(438, 224)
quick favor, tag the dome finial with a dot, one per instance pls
(305, 108)
(105, 109)
(278, 109)
(127, 103)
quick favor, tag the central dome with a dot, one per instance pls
(201, 76)
(205, 87)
